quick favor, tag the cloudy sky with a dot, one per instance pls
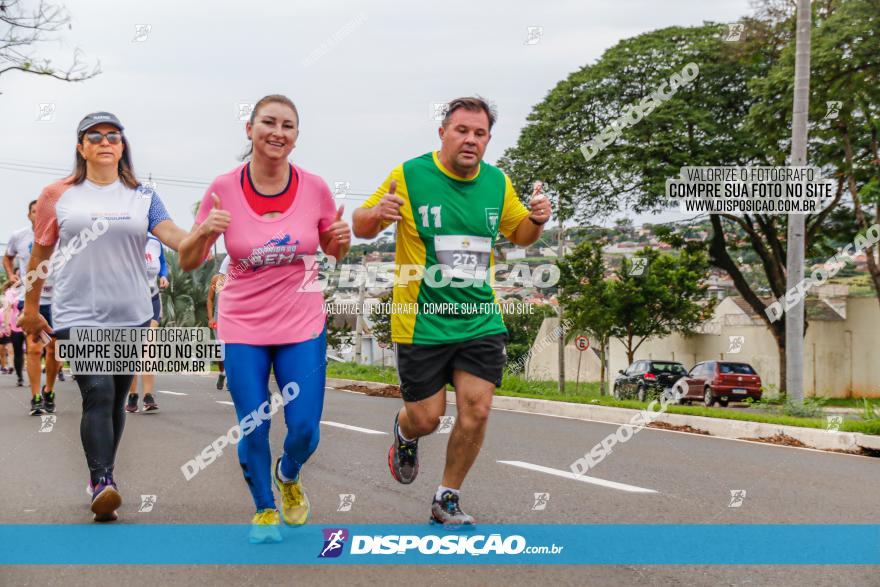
(364, 78)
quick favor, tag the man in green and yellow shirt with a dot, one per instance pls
(446, 324)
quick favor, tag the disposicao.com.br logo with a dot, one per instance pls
(429, 544)
(334, 542)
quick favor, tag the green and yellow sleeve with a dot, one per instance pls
(513, 212)
(396, 174)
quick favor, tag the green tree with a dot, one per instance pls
(637, 302)
(588, 299)
(706, 123)
(845, 108)
(665, 296)
(184, 301)
(382, 320)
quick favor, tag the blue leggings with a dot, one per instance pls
(247, 367)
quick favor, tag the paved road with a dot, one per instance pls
(657, 477)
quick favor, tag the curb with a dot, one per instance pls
(342, 383)
(736, 429)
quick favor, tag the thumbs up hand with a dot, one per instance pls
(389, 205)
(339, 232)
(218, 219)
(539, 204)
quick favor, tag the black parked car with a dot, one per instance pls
(646, 376)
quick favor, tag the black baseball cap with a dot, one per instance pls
(96, 118)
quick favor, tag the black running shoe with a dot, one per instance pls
(446, 511)
(132, 405)
(20, 382)
(36, 406)
(403, 458)
(150, 403)
(61, 374)
(221, 381)
(48, 400)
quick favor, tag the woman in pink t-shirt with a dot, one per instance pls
(273, 216)
(8, 329)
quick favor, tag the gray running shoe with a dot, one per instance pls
(446, 511)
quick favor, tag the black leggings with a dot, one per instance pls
(18, 352)
(103, 420)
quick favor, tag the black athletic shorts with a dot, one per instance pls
(46, 312)
(5, 340)
(425, 369)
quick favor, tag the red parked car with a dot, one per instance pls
(719, 381)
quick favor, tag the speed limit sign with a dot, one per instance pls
(582, 342)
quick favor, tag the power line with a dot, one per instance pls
(29, 167)
(41, 169)
(61, 171)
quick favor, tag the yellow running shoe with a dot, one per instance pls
(265, 527)
(294, 503)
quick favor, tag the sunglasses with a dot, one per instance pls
(114, 137)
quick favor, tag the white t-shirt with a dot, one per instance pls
(20, 246)
(101, 234)
(153, 258)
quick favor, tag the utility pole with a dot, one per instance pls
(794, 317)
(560, 253)
(606, 364)
(359, 309)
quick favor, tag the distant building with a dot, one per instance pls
(719, 286)
(627, 248)
(551, 252)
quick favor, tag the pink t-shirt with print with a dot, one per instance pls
(265, 299)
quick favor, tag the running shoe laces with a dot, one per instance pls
(450, 503)
(446, 511)
(266, 517)
(291, 493)
(406, 452)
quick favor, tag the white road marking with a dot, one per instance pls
(350, 391)
(355, 428)
(581, 478)
(225, 403)
(171, 392)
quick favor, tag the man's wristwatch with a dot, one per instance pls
(536, 223)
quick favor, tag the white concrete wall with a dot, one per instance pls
(841, 358)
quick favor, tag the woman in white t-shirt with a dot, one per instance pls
(99, 218)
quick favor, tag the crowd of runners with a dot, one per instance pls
(449, 208)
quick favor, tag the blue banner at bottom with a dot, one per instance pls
(372, 544)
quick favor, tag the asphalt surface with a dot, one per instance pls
(656, 477)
